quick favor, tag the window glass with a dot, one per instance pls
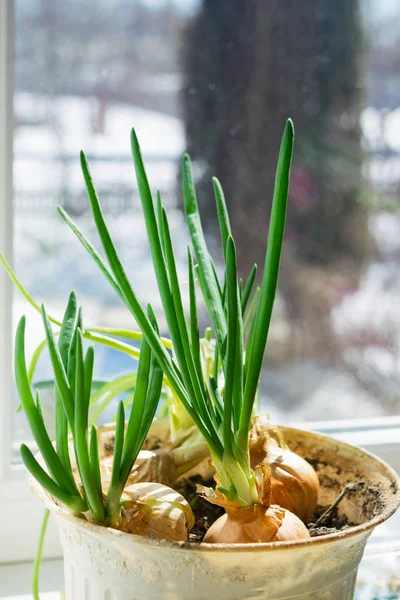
(219, 79)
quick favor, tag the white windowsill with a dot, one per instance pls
(15, 580)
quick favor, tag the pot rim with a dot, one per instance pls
(256, 547)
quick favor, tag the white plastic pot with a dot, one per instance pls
(104, 564)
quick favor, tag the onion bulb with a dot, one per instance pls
(294, 482)
(254, 524)
(155, 511)
(261, 522)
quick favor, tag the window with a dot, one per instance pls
(79, 74)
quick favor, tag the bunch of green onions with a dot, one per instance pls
(224, 419)
(73, 375)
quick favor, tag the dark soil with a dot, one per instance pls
(332, 524)
(205, 513)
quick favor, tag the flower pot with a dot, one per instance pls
(105, 564)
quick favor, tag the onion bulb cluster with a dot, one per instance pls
(294, 482)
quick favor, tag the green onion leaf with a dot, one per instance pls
(64, 343)
(34, 416)
(21, 288)
(88, 478)
(207, 278)
(88, 370)
(247, 288)
(94, 457)
(231, 356)
(60, 374)
(223, 216)
(76, 504)
(194, 317)
(255, 353)
(90, 249)
(118, 448)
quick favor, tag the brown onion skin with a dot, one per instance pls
(156, 511)
(164, 523)
(256, 524)
(294, 482)
(295, 485)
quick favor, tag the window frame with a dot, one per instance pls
(380, 436)
(16, 502)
